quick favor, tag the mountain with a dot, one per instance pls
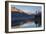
(14, 9)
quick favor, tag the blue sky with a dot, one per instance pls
(29, 8)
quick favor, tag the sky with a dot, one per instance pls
(28, 8)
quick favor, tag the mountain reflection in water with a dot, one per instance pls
(28, 25)
(22, 20)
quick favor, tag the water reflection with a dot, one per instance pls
(29, 25)
(22, 20)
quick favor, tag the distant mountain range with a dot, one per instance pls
(14, 9)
